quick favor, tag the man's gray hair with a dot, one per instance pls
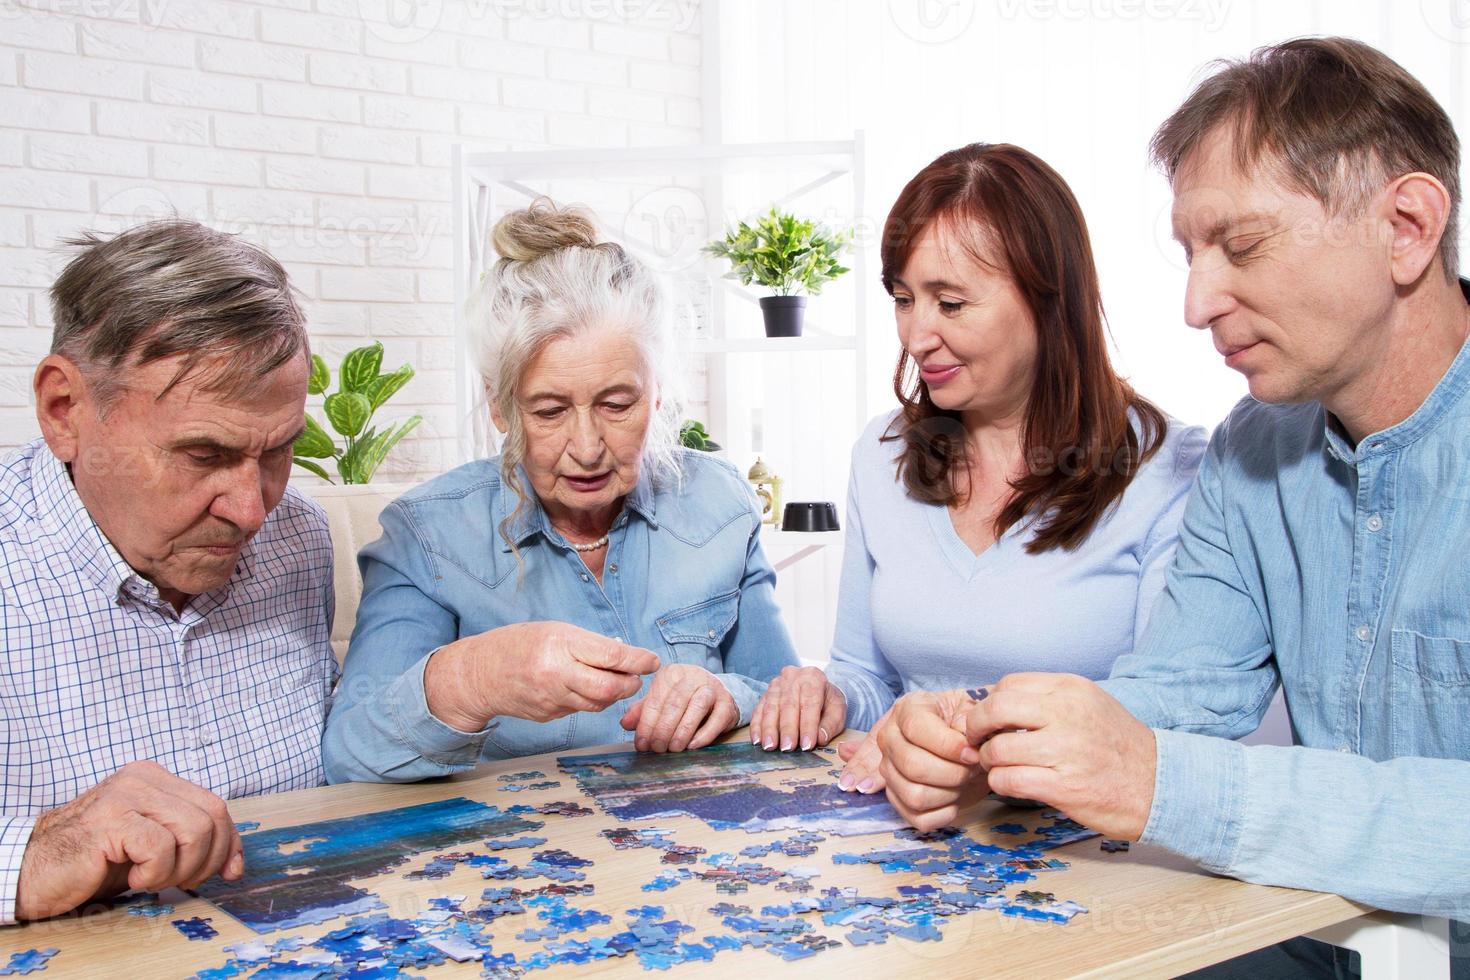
(555, 279)
(172, 287)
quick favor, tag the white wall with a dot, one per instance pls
(320, 129)
(1081, 83)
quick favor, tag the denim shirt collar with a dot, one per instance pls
(1445, 395)
(531, 520)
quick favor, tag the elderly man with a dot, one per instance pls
(164, 598)
(1324, 548)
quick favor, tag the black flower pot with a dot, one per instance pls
(783, 315)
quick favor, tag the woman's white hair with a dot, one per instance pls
(555, 279)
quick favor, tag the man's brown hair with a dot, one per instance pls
(1338, 118)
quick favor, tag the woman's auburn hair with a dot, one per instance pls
(1080, 445)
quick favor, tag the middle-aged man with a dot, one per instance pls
(1325, 547)
(164, 598)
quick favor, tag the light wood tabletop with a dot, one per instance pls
(1149, 913)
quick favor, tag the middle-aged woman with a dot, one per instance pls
(1017, 512)
(515, 605)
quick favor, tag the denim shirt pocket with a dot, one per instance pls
(694, 633)
(1430, 692)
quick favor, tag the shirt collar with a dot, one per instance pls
(531, 520)
(1445, 395)
(62, 514)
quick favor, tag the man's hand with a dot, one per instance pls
(1080, 750)
(540, 671)
(929, 770)
(800, 708)
(686, 707)
(142, 827)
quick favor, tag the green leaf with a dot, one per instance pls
(384, 443)
(314, 442)
(385, 386)
(347, 410)
(320, 378)
(783, 253)
(360, 367)
(307, 464)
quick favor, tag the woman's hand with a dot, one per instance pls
(929, 769)
(863, 759)
(537, 671)
(800, 707)
(686, 707)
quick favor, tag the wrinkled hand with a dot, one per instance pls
(142, 827)
(686, 707)
(1081, 751)
(539, 671)
(800, 707)
(862, 759)
(929, 769)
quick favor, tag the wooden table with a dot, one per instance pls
(1149, 913)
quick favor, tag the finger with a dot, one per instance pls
(788, 727)
(720, 720)
(600, 687)
(149, 847)
(1028, 783)
(758, 714)
(811, 696)
(914, 800)
(927, 729)
(1032, 682)
(1019, 749)
(674, 709)
(192, 828)
(606, 654)
(861, 772)
(834, 714)
(1005, 710)
(224, 838)
(652, 705)
(846, 750)
(629, 721)
(919, 765)
(701, 703)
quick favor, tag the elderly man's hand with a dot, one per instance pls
(539, 671)
(800, 708)
(1063, 740)
(928, 768)
(686, 707)
(141, 827)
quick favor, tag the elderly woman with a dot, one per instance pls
(1019, 508)
(593, 583)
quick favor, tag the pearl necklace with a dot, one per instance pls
(590, 546)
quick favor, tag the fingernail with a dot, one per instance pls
(970, 755)
(868, 785)
(755, 737)
(822, 736)
(807, 743)
(787, 743)
(770, 744)
(845, 783)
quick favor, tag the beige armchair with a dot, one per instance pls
(352, 514)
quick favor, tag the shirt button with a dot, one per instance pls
(1362, 633)
(711, 634)
(613, 568)
(1375, 523)
(1344, 748)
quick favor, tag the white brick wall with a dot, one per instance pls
(320, 129)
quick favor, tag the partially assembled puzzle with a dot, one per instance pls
(538, 904)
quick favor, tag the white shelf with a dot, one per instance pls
(770, 345)
(799, 539)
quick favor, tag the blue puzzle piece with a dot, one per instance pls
(28, 961)
(196, 928)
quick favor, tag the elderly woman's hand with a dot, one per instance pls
(540, 671)
(800, 708)
(686, 707)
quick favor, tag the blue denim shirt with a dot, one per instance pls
(685, 577)
(1343, 574)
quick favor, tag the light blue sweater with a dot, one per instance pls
(917, 610)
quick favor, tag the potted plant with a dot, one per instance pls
(693, 435)
(361, 391)
(788, 255)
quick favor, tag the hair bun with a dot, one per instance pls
(542, 228)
